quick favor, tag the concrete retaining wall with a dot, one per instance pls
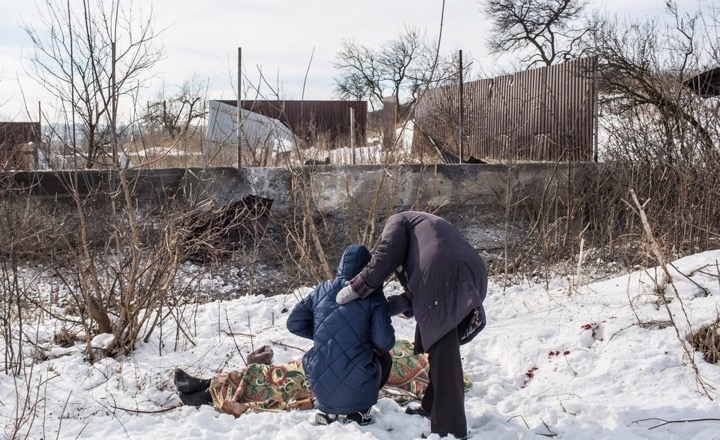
(333, 188)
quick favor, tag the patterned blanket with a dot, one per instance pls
(260, 387)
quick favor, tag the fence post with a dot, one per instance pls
(460, 106)
(239, 109)
(352, 133)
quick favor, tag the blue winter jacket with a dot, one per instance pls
(341, 367)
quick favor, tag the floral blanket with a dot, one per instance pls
(261, 387)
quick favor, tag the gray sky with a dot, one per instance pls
(201, 37)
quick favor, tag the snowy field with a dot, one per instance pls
(606, 360)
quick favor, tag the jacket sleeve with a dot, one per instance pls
(300, 321)
(382, 332)
(387, 257)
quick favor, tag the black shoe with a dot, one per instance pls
(325, 419)
(417, 411)
(465, 437)
(197, 398)
(187, 384)
(361, 418)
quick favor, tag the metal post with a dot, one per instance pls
(239, 108)
(352, 133)
(72, 80)
(596, 112)
(114, 106)
(460, 106)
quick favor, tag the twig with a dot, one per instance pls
(707, 291)
(288, 346)
(142, 411)
(252, 337)
(227, 319)
(569, 366)
(668, 422)
(549, 434)
(580, 258)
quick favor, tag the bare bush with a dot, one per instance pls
(90, 57)
(706, 340)
(116, 259)
(659, 139)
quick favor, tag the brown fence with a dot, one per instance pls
(545, 114)
(309, 119)
(14, 140)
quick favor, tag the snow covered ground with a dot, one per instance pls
(600, 361)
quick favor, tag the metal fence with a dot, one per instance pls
(545, 114)
(310, 119)
(15, 137)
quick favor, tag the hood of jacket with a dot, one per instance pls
(353, 260)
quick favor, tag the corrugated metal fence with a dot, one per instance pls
(14, 137)
(308, 119)
(545, 114)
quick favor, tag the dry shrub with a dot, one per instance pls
(155, 150)
(64, 338)
(707, 341)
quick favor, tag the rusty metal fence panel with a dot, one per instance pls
(14, 140)
(309, 119)
(545, 114)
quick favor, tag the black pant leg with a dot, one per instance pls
(428, 397)
(385, 359)
(447, 414)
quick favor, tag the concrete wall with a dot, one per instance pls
(333, 188)
(349, 203)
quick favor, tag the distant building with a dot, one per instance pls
(706, 84)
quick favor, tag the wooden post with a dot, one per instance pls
(460, 106)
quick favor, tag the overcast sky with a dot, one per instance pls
(285, 38)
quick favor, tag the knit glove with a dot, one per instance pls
(346, 294)
(398, 304)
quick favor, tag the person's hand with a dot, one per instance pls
(398, 304)
(346, 294)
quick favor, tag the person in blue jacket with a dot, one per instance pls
(350, 360)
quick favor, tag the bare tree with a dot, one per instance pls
(89, 57)
(176, 114)
(359, 73)
(642, 72)
(545, 32)
(400, 66)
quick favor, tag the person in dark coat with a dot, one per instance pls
(445, 283)
(350, 360)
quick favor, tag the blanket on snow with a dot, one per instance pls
(260, 387)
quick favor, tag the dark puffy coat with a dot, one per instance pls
(341, 367)
(443, 275)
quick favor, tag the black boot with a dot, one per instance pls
(325, 419)
(187, 384)
(417, 410)
(362, 418)
(196, 399)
